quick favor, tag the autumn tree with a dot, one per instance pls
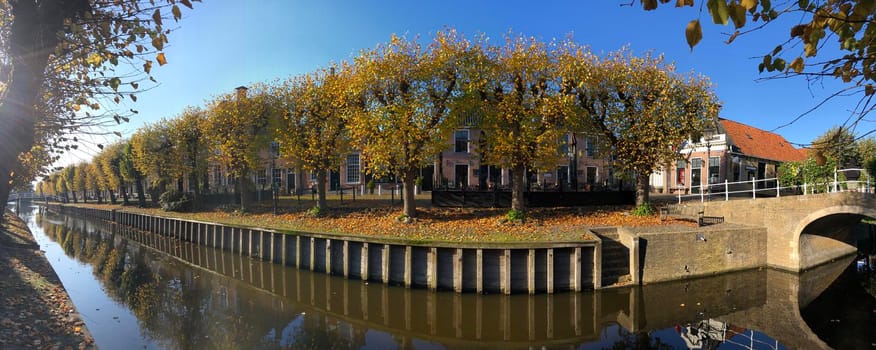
(130, 174)
(839, 145)
(826, 39)
(109, 161)
(639, 105)
(190, 149)
(94, 181)
(61, 184)
(312, 130)
(78, 183)
(523, 113)
(405, 110)
(68, 56)
(238, 127)
(152, 147)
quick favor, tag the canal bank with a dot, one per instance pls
(35, 309)
(616, 257)
(202, 297)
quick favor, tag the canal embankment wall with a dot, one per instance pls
(507, 268)
(665, 254)
(656, 254)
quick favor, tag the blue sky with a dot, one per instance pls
(224, 44)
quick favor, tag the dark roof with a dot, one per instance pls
(759, 143)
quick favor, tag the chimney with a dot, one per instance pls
(241, 91)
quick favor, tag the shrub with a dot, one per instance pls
(174, 200)
(514, 215)
(315, 211)
(646, 209)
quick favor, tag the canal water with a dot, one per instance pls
(137, 290)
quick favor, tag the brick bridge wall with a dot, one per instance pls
(802, 231)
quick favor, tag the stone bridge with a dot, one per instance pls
(803, 231)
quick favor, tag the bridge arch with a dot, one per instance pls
(826, 233)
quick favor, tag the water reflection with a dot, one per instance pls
(205, 298)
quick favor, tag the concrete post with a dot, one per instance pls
(363, 265)
(328, 257)
(550, 271)
(530, 272)
(505, 271)
(457, 270)
(297, 251)
(345, 258)
(384, 262)
(283, 249)
(432, 268)
(635, 262)
(575, 270)
(408, 267)
(479, 271)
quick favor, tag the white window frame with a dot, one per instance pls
(353, 176)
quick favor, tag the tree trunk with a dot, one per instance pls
(642, 189)
(193, 188)
(408, 195)
(112, 196)
(320, 189)
(243, 187)
(75, 200)
(123, 190)
(518, 173)
(141, 193)
(33, 36)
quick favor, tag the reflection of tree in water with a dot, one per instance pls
(174, 307)
(315, 331)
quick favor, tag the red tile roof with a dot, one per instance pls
(759, 143)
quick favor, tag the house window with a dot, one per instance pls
(696, 163)
(591, 173)
(564, 145)
(218, 179)
(275, 149)
(589, 147)
(680, 172)
(262, 179)
(276, 176)
(353, 168)
(461, 141)
(714, 169)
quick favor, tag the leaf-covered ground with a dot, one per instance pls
(35, 310)
(380, 219)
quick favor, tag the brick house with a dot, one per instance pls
(582, 167)
(731, 152)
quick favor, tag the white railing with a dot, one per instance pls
(772, 188)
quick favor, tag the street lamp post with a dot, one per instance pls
(708, 133)
(275, 150)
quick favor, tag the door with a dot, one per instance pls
(695, 180)
(461, 176)
(563, 177)
(428, 174)
(290, 182)
(334, 180)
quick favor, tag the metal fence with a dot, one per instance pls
(773, 187)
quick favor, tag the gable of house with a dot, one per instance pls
(762, 144)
